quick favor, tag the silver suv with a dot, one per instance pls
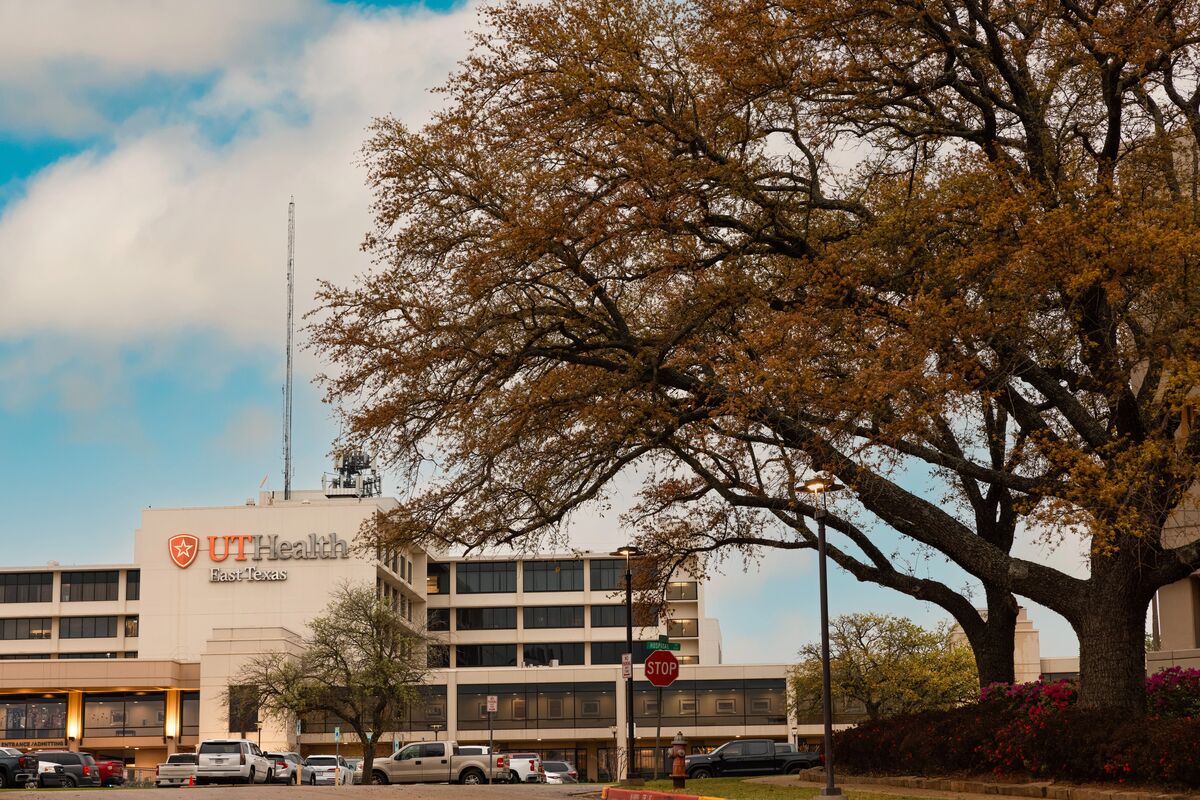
(232, 761)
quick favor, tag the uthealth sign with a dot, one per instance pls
(185, 547)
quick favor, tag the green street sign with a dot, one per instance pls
(662, 645)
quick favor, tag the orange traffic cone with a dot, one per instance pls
(191, 780)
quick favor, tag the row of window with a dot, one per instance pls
(537, 654)
(48, 656)
(556, 575)
(68, 628)
(38, 587)
(124, 714)
(505, 618)
(582, 705)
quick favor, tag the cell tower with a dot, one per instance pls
(287, 386)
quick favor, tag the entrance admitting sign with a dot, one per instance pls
(662, 668)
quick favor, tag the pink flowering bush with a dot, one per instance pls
(1035, 730)
(1173, 692)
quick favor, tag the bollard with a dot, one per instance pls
(678, 762)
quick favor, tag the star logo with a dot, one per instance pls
(183, 548)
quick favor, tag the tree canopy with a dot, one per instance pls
(360, 663)
(890, 665)
(727, 243)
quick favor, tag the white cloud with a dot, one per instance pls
(55, 55)
(169, 232)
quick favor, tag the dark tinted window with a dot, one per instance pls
(437, 656)
(66, 759)
(133, 584)
(221, 747)
(759, 748)
(486, 655)
(433, 750)
(27, 628)
(26, 587)
(479, 577)
(609, 616)
(554, 616)
(437, 619)
(181, 758)
(556, 766)
(477, 619)
(563, 575)
(608, 574)
(84, 586)
(734, 749)
(610, 652)
(543, 654)
(87, 627)
(438, 578)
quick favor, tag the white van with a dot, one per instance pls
(232, 761)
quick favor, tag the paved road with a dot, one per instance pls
(279, 792)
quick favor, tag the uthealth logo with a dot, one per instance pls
(184, 547)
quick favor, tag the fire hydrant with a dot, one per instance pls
(678, 762)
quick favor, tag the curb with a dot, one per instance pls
(1049, 791)
(614, 793)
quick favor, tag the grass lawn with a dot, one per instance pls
(740, 789)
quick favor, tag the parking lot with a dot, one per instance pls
(434, 791)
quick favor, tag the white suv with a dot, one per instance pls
(232, 761)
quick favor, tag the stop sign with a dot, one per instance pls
(661, 668)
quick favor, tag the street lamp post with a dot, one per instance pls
(821, 487)
(435, 727)
(628, 552)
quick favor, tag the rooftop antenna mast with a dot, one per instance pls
(287, 387)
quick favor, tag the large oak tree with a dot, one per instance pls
(726, 243)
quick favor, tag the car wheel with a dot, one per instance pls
(513, 777)
(69, 781)
(250, 777)
(700, 773)
(378, 778)
(471, 777)
(312, 779)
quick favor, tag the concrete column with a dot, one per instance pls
(74, 719)
(1179, 614)
(452, 705)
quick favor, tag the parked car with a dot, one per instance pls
(748, 757)
(356, 769)
(526, 768)
(285, 766)
(79, 769)
(437, 762)
(178, 770)
(16, 768)
(330, 769)
(49, 774)
(112, 770)
(560, 772)
(232, 761)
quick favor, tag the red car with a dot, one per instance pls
(112, 771)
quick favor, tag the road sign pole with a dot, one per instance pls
(658, 735)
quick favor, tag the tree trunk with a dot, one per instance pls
(368, 746)
(991, 639)
(1112, 652)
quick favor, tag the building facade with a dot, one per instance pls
(134, 660)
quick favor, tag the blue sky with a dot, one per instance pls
(147, 154)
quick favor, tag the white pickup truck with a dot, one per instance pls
(438, 762)
(178, 770)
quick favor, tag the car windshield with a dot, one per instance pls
(556, 766)
(322, 761)
(221, 747)
(523, 755)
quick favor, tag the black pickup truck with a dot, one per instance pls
(748, 757)
(17, 770)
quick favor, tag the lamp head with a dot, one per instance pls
(820, 484)
(628, 551)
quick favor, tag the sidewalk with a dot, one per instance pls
(971, 789)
